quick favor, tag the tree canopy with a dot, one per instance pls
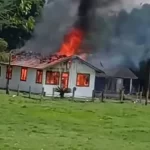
(5, 7)
(4, 57)
(18, 20)
(3, 45)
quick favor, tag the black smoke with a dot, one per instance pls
(85, 12)
(58, 17)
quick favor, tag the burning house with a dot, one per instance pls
(29, 69)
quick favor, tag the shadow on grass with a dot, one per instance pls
(56, 99)
(82, 101)
(37, 98)
(32, 98)
(42, 99)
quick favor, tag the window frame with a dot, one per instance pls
(36, 81)
(52, 72)
(82, 74)
(7, 72)
(21, 73)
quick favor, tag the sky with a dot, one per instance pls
(134, 3)
(128, 5)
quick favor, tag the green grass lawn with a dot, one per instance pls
(62, 125)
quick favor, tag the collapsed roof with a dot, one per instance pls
(37, 61)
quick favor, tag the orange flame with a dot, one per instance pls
(72, 42)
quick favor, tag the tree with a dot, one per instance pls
(4, 57)
(5, 7)
(21, 22)
(3, 45)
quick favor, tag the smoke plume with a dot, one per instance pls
(58, 17)
(124, 39)
(96, 18)
(84, 11)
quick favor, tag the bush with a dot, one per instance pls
(3, 45)
(62, 91)
(4, 57)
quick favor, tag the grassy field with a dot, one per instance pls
(62, 125)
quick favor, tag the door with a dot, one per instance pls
(64, 79)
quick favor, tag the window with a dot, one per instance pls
(39, 76)
(52, 78)
(9, 72)
(64, 79)
(83, 80)
(24, 72)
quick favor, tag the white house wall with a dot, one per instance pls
(3, 77)
(79, 67)
(119, 84)
(15, 81)
(76, 67)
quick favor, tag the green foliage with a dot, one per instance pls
(6, 6)
(4, 57)
(3, 45)
(62, 91)
(21, 21)
(22, 16)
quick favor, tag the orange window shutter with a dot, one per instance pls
(23, 74)
(39, 76)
